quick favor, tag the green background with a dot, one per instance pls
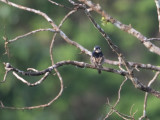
(85, 91)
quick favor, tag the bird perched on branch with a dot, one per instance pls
(97, 58)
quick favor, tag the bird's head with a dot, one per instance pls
(97, 49)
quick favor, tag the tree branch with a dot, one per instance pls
(138, 84)
(158, 11)
(127, 28)
(29, 33)
(59, 64)
(119, 96)
(146, 96)
(55, 27)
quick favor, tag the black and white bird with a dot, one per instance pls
(97, 58)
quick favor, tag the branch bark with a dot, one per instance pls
(127, 28)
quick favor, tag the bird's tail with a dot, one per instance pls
(99, 71)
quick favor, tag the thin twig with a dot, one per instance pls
(158, 11)
(53, 39)
(4, 78)
(6, 45)
(146, 96)
(58, 4)
(28, 83)
(133, 113)
(134, 65)
(153, 39)
(51, 55)
(118, 99)
(29, 33)
(51, 46)
(8, 69)
(38, 106)
(119, 92)
(123, 116)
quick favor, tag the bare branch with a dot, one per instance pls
(134, 80)
(132, 114)
(28, 83)
(51, 47)
(8, 69)
(31, 10)
(153, 39)
(119, 92)
(127, 28)
(60, 5)
(4, 78)
(146, 96)
(51, 55)
(104, 34)
(158, 11)
(126, 68)
(29, 33)
(46, 72)
(55, 27)
(6, 45)
(116, 50)
(121, 115)
(134, 64)
(38, 106)
(53, 39)
(59, 64)
(119, 96)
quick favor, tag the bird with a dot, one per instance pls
(97, 58)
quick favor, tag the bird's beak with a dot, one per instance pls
(98, 51)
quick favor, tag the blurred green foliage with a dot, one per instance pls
(85, 91)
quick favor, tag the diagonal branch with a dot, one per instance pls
(60, 5)
(127, 28)
(158, 11)
(119, 95)
(146, 96)
(29, 33)
(31, 10)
